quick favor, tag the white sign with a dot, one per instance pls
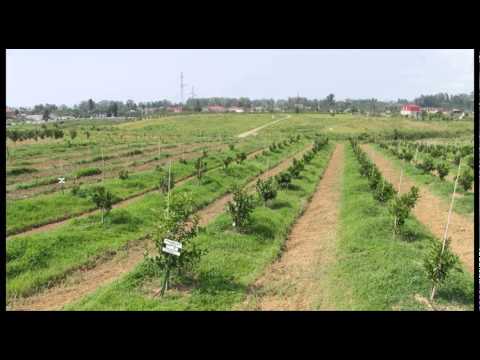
(61, 180)
(171, 250)
(172, 243)
(172, 247)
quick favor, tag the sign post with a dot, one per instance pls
(61, 181)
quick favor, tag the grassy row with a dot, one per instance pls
(375, 272)
(232, 263)
(463, 205)
(25, 214)
(36, 260)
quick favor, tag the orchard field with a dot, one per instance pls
(273, 212)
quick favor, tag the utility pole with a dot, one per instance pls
(182, 86)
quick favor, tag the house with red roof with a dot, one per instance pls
(411, 110)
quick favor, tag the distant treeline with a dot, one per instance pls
(110, 108)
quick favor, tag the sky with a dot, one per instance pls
(70, 76)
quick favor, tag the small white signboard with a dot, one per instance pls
(172, 243)
(172, 247)
(61, 180)
(171, 250)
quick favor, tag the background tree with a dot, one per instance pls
(46, 114)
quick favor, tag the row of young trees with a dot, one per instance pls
(436, 159)
(178, 222)
(440, 260)
(42, 133)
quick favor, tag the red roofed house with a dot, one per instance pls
(411, 110)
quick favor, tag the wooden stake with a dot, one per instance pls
(445, 234)
(400, 183)
(169, 180)
(103, 167)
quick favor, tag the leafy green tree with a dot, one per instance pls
(442, 169)
(427, 165)
(123, 174)
(241, 157)
(240, 207)
(266, 190)
(283, 180)
(438, 263)
(46, 114)
(103, 199)
(401, 206)
(466, 179)
(91, 106)
(176, 222)
(227, 161)
(384, 191)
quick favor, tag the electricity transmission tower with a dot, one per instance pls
(182, 86)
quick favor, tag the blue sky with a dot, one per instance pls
(69, 76)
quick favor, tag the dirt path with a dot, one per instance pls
(432, 211)
(123, 203)
(85, 281)
(254, 131)
(295, 281)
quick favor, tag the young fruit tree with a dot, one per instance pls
(466, 179)
(176, 224)
(442, 169)
(400, 208)
(427, 165)
(123, 175)
(200, 168)
(284, 180)
(438, 262)
(240, 207)
(241, 157)
(266, 190)
(226, 162)
(384, 191)
(103, 199)
(166, 182)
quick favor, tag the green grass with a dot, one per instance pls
(20, 171)
(376, 272)
(34, 261)
(88, 172)
(444, 189)
(27, 213)
(232, 263)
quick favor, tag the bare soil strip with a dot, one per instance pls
(254, 131)
(85, 281)
(432, 211)
(123, 203)
(297, 280)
